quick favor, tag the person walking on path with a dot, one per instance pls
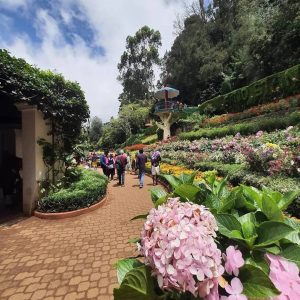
(103, 162)
(141, 164)
(128, 166)
(111, 167)
(94, 160)
(155, 160)
(121, 163)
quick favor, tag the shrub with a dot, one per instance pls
(276, 86)
(150, 130)
(150, 139)
(266, 124)
(89, 189)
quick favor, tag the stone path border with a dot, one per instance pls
(69, 214)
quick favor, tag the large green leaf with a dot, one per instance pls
(271, 232)
(221, 187)
(229, 226)
(125, 265)
(228, 202)
(162, 200)
(270, 208)
(293, 237)
(187, 192)
(276, 196)
(287, 199)
(157, 193)
(257, 284)
(187, 178)
(243, 202)
(172, 180)
(292, 253)
(137, 284)
(253, 195)
(213, 202)
(138, 217)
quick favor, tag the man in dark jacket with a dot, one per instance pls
(141, 165)
(103, 163)
(121, 162)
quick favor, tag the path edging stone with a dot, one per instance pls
(69, 214)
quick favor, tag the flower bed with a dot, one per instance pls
(280, 105)
(135, 147)
(268, 124)
(88, 190)
(211, 242)
(267, 153)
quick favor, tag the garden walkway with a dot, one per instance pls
(72, 258)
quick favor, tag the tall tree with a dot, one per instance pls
(96, 129)
(137, 63)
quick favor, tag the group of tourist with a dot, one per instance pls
(121, 162)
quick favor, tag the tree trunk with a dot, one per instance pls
(166, 124)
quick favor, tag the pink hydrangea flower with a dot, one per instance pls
(178, 243)
(235, 290)
(233, 260)
(285, 276)
(259, 133)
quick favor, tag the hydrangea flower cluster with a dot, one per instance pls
(285, 276)
(178, 243)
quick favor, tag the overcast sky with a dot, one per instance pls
(83, 39)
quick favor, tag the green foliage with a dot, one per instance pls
(137, 284)
(95, 130)
(62, 102)
(230, 44)
(125, 265)
(256, 283)
(248, 217)
(136, 65)
(149, 139)
(245, 128)
(127, 127)
(87, 190)
(276, 86)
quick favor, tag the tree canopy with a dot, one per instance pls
(230, 44)
(95, 130)
(61, 101)
(137, 63)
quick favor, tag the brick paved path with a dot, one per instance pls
(72, 258)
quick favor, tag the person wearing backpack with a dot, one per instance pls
(155, 160)
(121, 162)
(111, 167)
(141, 164)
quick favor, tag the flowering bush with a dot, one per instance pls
(269, 153)
(177, 242)
(255, 111)
(180, 237)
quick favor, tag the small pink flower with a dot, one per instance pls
(233, 260)
(235, 290)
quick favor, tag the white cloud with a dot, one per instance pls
(112, 22)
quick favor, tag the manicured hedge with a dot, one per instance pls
(88, 190)
(276, 86)
(245, 128)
